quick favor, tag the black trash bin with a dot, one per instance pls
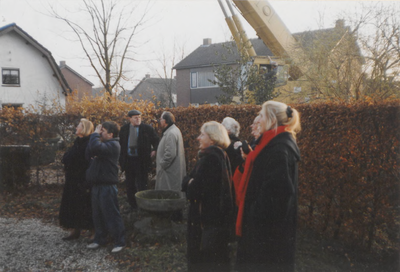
(14, 166)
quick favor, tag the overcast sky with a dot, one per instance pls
(183, 22)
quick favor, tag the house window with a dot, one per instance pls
(201, 79)
(193, 80)
(10, 76)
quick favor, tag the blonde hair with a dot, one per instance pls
(217, 133)
(88, 127)
(277, 113)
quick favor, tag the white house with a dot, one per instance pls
(29, 73)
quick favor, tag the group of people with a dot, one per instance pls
(91, 165)
(89, 199)
(237, 191)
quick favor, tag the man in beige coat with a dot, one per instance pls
(171, 164)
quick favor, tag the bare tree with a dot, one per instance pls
(358, 57)
(108, 39)
(334, 62)
(379, 38)
(167, 61)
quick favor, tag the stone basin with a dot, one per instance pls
(160, 200)
(159, 205)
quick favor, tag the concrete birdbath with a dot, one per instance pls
(159, 204)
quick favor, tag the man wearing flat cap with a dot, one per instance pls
(138, 144)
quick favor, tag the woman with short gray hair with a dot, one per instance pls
(233, 128)
(231, 125)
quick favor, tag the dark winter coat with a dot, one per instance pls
(210, 212)
(75, 208)
(235, 156)
(270, 211)
(103, 169)
(147, 141)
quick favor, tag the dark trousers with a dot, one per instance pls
(135, 179)
(106, 216)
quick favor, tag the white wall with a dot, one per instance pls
(36, 76)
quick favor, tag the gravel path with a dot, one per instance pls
(30, 245)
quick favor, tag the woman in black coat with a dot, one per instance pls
(267, 194)
(75, 209)
(209, 191)
(233, 150)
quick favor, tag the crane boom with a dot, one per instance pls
(246, 42)
(239, 35)
(268, 26)
(271, 30)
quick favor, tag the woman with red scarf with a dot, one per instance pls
(209, 191)
(266, 194)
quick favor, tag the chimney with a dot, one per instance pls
(206, 42)
(62, 63)
(147, 76)
(339, 23)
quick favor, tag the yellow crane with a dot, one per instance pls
(273, 32)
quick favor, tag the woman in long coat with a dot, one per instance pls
(76, 209)
(267, 194)
(209, 191)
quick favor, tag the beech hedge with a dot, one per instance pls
(349, 172)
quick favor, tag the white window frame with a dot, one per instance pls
(194, 80)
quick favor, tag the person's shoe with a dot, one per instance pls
(117, 249)
(93, 246)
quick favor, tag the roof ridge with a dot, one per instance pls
(47, 53)
(76, 73)
(7, 26)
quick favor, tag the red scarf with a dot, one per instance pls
(241, 180)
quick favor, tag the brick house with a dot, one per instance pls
(155, 90)
(76, 82)
(194, 72)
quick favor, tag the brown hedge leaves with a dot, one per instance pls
(349, 173)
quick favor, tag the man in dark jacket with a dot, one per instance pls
(138, 144)
(104, 149)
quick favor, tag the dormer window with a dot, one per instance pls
(10, 77)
